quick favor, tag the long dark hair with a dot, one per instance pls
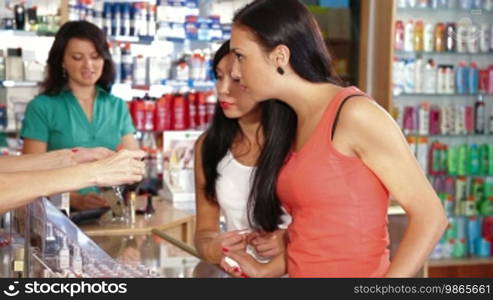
(55, 81)
(288, 22)
(278, 124)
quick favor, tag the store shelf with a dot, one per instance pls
(467, 261)
(23, 33)
(11, 83)
(467, 175)
(440, 95)
(146, 40)
(472, 12)
(416, 53)
(449, 135)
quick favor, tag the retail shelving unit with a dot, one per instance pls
(377, 77)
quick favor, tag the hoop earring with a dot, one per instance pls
(280, 70)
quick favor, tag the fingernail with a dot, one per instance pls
(225, 249)
(236, 269)
(75, 150)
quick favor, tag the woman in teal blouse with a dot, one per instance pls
(75, 108)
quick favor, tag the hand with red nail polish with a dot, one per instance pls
(212, 246)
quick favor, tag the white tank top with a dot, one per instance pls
(232, 191)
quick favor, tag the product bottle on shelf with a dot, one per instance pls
(479, 115)
(440, 37)
(418, 36)
(450, 45)
(428, 40)
(408, 36)
(20, 16)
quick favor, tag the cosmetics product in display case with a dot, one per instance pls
(54, 247)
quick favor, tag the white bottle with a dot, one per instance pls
(408, 36)
(462, 37)
(139, 70)
(418, 78)
(449, 80)
(430, 78)
(64, 255)
(428, 36)
(77, 261)
(441, 80)
(151, 23)
(484, 38)
(116, 53)
(473, 38)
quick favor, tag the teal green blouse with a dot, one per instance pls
(60, 122)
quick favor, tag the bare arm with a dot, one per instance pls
(129, 142)
(208, 239)
(52, 160)
(43, 161)
(371, 134)
(19, 188)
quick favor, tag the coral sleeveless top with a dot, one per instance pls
(338, 207)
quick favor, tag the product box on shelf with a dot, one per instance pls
(178, 171)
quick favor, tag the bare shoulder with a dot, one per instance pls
(364, 121)
(200, 141)
(362, 114)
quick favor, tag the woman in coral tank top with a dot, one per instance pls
(347, 158)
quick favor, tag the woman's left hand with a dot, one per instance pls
(268, 244)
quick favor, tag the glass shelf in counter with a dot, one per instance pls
(416, 53)
(13, 83)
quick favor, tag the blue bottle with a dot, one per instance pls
(461, 74)
(473, 81)
(473, 234)
(125, 24)
(116, 19)
(107, 18)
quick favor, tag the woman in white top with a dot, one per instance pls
(234, 161)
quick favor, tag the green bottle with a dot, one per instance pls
(473, 161)
(483, 159)
(452, 160)
(486, 207)
(490, 161)
(462, 160)
(488, 188)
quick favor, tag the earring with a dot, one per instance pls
(280, 70)
(64, 73)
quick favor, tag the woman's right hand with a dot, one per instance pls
(123, 167)
(84, 155)
(227, 241)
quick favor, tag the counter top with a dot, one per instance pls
(163, 258)
(165, 217)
